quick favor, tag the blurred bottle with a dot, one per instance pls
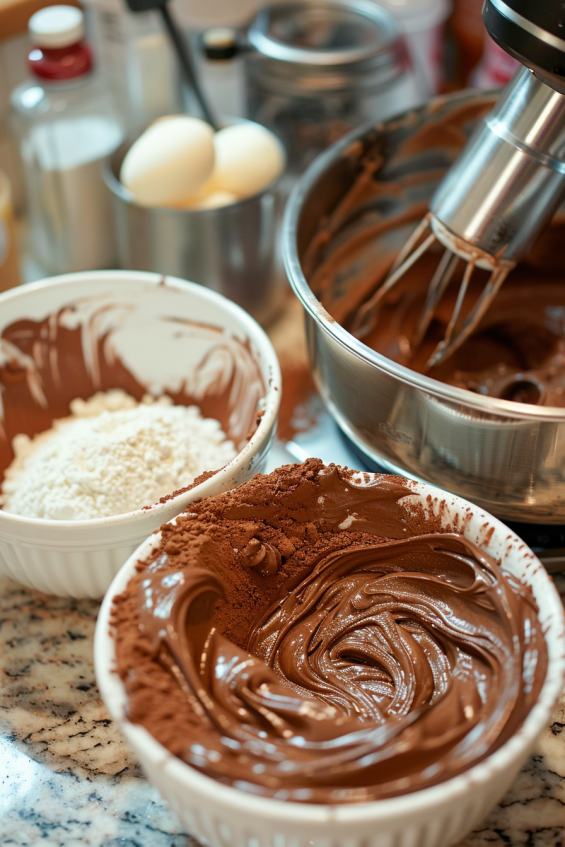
(67, 124)
(136, 59)
(9, 270)
(422, 22)
(469, 32)
(223, 81)
(495, 69)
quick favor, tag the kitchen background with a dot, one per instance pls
(47, 746)
(448, 48)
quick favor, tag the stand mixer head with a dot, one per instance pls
(505, 186)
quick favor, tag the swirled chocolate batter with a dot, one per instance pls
(308, 637)
(518, 350)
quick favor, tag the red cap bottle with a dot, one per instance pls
(59, 50)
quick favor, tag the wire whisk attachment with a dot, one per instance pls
(429, 232)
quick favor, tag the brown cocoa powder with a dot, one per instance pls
(213, 532)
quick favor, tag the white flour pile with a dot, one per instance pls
(112, 456)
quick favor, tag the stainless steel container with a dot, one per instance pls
(231, 250)
(317, 69)
(505, 187)
(508, 457)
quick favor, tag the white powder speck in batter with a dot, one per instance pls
(111, 456)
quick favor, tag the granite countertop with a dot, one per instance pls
(67, 778)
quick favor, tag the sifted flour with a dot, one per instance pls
(112, 456)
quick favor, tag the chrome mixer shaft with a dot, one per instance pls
(492, 204)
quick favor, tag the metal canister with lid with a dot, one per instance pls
(314, 70)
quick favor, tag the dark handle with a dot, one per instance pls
(186, 65)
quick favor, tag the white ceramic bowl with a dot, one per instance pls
(222, 816)
(160, 328)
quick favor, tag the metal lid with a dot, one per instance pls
(319, 33)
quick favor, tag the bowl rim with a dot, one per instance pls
(300, 286)
(113, 693)
(253, 331)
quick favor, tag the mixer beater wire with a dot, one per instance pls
(427, 233)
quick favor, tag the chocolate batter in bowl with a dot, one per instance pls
(331, 639)
(489, 423)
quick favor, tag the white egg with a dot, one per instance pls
(248, 158)
(214, 200)
(170, 161)
(203, 192)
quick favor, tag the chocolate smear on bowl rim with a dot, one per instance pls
(44, 364)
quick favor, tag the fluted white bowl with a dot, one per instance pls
(80, 558)
(222, 816)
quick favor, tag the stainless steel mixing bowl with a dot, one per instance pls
(505, 456)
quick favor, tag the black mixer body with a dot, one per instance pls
(531, 31)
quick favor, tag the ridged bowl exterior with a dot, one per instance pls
(87, 569)
(66, 573)
(81, 558)
(437, 825)
(221, 816)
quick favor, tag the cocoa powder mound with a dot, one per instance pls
(282, 511)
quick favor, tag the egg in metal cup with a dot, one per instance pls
(225, 239)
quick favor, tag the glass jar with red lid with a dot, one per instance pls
(67, 123)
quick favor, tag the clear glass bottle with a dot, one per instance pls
(136, 59)
(67, 124)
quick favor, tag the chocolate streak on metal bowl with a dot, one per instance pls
(344, 224)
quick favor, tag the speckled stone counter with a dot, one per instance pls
(67, 778)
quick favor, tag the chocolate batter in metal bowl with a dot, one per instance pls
(488, 423)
